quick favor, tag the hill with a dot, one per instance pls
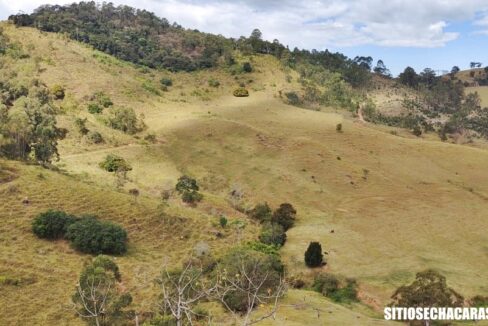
(384, 203)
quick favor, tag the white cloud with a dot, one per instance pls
(315, 23)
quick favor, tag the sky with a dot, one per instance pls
(432, 33)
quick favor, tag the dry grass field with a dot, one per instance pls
(383, 206)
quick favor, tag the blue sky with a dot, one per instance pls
(436, 33)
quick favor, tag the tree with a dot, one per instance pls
(98, 299)
(188, 188)
(429, 289)
(364, 62)
(125, 120)
(409, 77)
(246, 279)
(455, 70)
(115, 163)
(181, 290)
(475, 65)
(313, 255)
(428, 77)
(381, 69)
(285, 215)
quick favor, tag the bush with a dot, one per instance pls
(284, 215)
(261, 212)
(241, 92)
(114, 163)
(213, 82)
(52, 224)
(246, 67)
(325, 283)
(273, 234)
(95, 108)
(417, 131)
(185, 184)
(339, 127)
(95, 137)
(125, 120)
(330, 286)
(92, 236)
(81, 125)
(103, 99)
(223, 221)
(293, 98)
(191, 197)
(313, 255)
(58, 92)
(166, 82)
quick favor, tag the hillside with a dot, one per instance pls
(384, 203)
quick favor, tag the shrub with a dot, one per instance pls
(81, 125)
(92, 236)
(114, 163)
(313, 255)
(325, 283)
(103, 99)
(223, 221)
(95, 108)
(261, 212)
(166, 82)
(246, 67)
(339, 127)
(417, 131)
(95, 137)
(241, 92)
(213, 82)
(264, 248)
(285, 215)
(191, 197)
(330, 286)
(273, 234)
(125, 120)
(58, 92)
(293, 98)
(346, 294)
(186, 184)
(52, 224)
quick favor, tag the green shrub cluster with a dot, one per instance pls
(125, 120)
(165, 81)
(188, 188)
(89, 235)
(86, 234)
(331, 287)
(58, 92)
(114, 163)
(52, 224)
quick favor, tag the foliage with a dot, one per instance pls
(125, 120)
(267, 249)
(285, 215)
(241, 92)
(89, 235)
(95, 137)
(223, 221)
(330, 286)
(95, 108)
(165, 81)
(114, 163)
(261, 212)
(188, 188)
(313, 255)
(81, 125)
(429, 289)
(58, 92)
(98, 298)
(246, 67)
(273, 234)
(213, 82)
(243, 266)
(191, 197)
(293, 98)
(52, 224)
(339, 127)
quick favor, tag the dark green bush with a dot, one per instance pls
(330, 286)
(185, 184)
(125, 120)
(313, 255)
(293, 98)
(325, 283)
(114, 163)
(166, 82)
(92, 236)
(191, 197)
(246, 67)
(241, 92)
(52, 224)
(284, 215)
(95, 108)
(261, 212)
(273, 234)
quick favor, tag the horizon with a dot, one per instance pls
(443, 34)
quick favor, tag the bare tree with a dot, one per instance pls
(181, 292)
(91, 299)
(256, 289)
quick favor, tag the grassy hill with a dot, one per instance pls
(383, 205)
